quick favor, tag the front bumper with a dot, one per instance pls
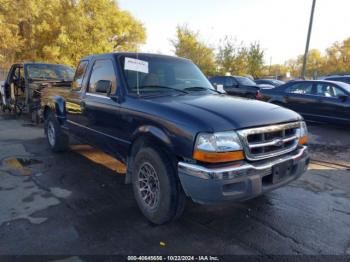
(240, 181)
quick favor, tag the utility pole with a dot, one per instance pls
(308, 39)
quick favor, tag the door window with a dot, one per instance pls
(328, 90)
(228, 81)
(217, 81)
(301, 88)
(102, 70)
(79, 75)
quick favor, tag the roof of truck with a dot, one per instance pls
(131, 54)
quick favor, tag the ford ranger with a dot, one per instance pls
(177, 135)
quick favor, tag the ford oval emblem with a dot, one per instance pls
(278, 142)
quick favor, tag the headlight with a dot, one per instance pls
(302, 133)
(218, 147)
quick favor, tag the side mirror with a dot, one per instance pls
(104, 86)
(343, 98)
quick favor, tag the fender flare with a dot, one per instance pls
(56, 104)
(153, 135)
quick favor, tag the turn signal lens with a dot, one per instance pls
(215, 157)
(303, 140)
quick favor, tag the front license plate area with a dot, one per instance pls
(281, 171)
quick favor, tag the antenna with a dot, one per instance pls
(137, 73)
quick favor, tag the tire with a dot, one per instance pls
(154, 175)
(57, 140)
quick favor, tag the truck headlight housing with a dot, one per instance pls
(303, 133)
(218, 147)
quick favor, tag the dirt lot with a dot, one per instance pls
(76, 203)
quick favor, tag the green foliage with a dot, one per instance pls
(335, 60)
(255, 57)
(236, 59)
(62, 31)
(188, 45)
(232, 57)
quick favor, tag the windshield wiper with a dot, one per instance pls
(200, 88)
(161, 87)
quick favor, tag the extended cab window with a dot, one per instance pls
(102, 71)
(79, 75)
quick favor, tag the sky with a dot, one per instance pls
(280, 26)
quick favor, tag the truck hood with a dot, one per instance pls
(214, 112)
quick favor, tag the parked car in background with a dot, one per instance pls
(318, 100)
(177, 135)
(344, 78)
(272, 82)
(238, 86)
(21, 91)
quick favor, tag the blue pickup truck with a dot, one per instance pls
(178, 136)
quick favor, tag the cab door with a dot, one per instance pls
(301, 98)
(101, 108)
(232, 87)
(333, 103)
(76, 119)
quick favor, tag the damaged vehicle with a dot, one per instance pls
(21, 91)
(177, 135)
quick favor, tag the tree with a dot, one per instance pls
(337, 58)
(232, 57)
(275, 70)
(62, 31)
(236, 59)
(255, 59)
(314, 63)
(294, 67)
(188, 45)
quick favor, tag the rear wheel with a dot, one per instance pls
(57, 140)
(157, 189)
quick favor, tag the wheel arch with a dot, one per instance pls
(147, 136)
(57, 105)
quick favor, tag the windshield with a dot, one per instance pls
(153, 73)
(245, 81)
(345, 86)
(50, 72)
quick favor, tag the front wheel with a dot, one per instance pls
(157, 189)
(57, 140)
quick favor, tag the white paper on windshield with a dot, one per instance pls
(220, 88)
(137, 65)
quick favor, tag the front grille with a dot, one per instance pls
(269, 141)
